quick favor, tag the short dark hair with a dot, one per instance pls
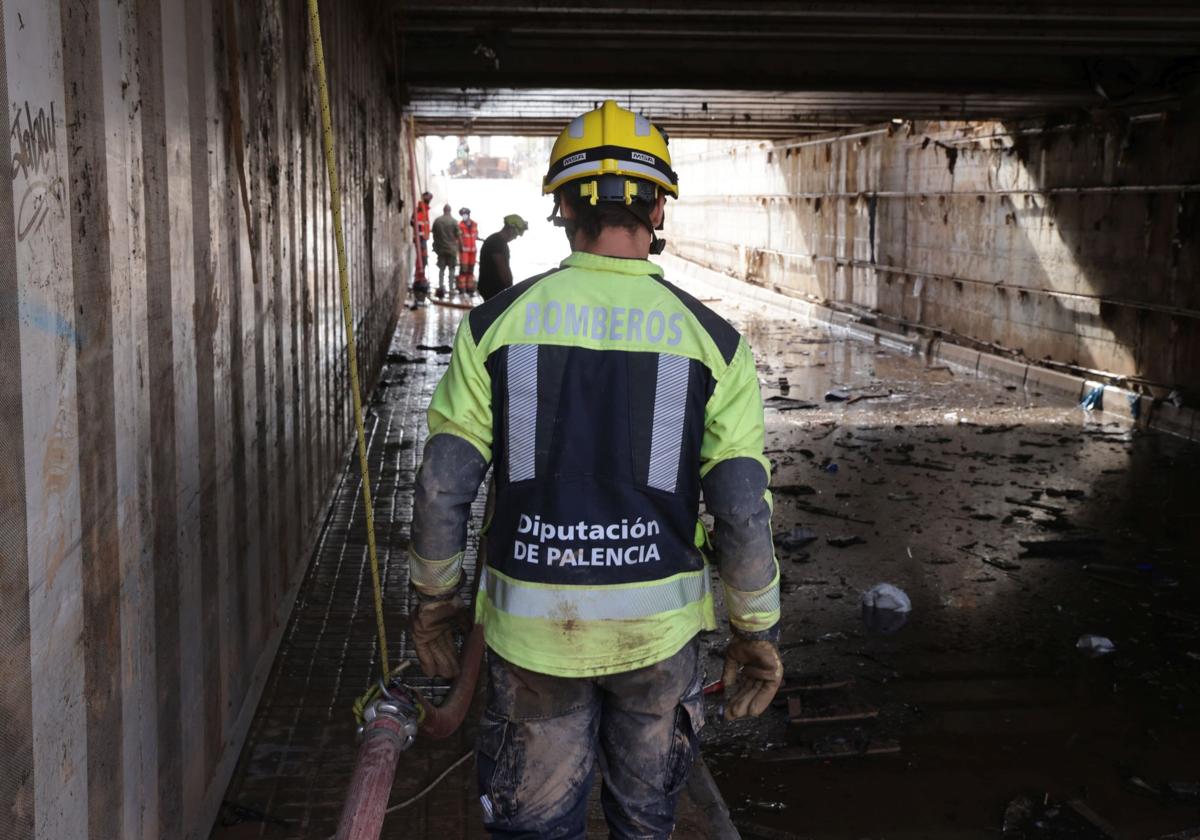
(591, 219)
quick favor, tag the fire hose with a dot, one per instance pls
(392, 713)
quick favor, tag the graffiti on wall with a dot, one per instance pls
(34, 139)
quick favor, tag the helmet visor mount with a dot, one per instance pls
(635, 196)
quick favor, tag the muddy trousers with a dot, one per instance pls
(541, 736)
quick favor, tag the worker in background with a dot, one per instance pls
(606, 401)
(495, 273)
(445, 246)
(421, 230)
(468, 239)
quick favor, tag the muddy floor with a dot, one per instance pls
(1015, 525)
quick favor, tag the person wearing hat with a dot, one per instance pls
(468, 241)
(445, 245)
(606, 401)
(495, 274)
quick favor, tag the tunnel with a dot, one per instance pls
(961, 239)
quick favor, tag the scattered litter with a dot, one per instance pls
(401, 359)
(830, 467)
(795, 538)
(1003, 565)
(1093, 645)
(1183, 791)
(1037, 815)
(794, 490)
(788, 403)
(1065, 493)
(837, 395)
(858, 744)
(999, 430)
(860, 397)
(1094, 401)
(436, 348)
(846, 541)
(1135, 405)
(885, 608)
(1055, 509)
(784, 385)
(767, 805)
(1063, 547)
(1175, 398)
(820, 511)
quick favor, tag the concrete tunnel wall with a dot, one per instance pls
(171, 428)
(1070, 243)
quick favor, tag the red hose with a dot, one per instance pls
(371, 785)
(443, 721)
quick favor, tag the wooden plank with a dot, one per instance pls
(816, 714)
(829, 751)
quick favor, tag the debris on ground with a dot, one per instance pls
(788, 403)
(794, 490)
(885, 608)
(1094, 645)
(822, 710)
(1062, 547)
(395, 358)
(858, 744)
(1030, 816)
(1094, 400)
(845, 541)
(837, 395)
(795, 538)
(1003, 565)
(436, 348)
(817, 510)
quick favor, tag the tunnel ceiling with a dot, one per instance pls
(782, 69)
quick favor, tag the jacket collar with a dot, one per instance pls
(620, 265)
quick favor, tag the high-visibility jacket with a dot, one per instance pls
(467, 242)
(601, 394)
(421, 220)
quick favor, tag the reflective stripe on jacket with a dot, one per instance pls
(421, 220)
(467, 243)
(602, 394)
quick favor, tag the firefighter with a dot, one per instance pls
(495, 272)
(421, 229)
(468, 230)
(606, 401)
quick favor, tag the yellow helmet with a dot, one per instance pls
(611, 141)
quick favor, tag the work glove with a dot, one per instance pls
(432, 627)
(753, 673)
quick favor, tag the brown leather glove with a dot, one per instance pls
(753, 673)
(432, 626)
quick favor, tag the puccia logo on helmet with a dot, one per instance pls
(576, 158)
(644, 158)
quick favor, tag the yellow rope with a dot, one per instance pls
(335, 205)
